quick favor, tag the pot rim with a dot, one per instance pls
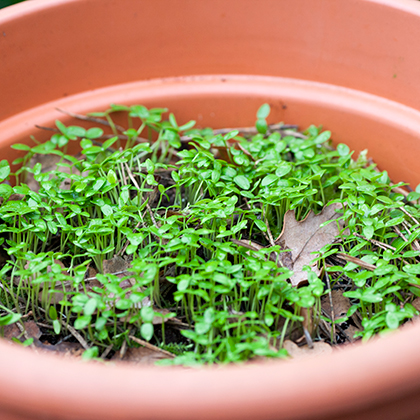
(92, 390)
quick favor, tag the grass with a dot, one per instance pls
(133, 233)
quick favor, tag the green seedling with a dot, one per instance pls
(160, 227)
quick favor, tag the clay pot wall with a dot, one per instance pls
(352, 66)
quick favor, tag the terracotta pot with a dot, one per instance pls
(352, 66)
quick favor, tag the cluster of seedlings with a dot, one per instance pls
(209, 246)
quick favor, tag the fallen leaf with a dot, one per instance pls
(140, 355)
(416, 303)
(350, 331)
(49, 163)
(304, 237)
(341, 304)
(120, 267)
(12, 331)
(157, 320)
(319, 347)
(117, 265)
(253, 246)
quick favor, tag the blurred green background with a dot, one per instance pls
(5, 3)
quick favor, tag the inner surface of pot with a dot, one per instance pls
(387, 129)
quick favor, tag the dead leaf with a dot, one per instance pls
(253, 246)
(141, 356)
(416, 303)
(32, 330)
(341, 304)
(116, 265)
(350, 331)
(157, 320)
(49, 163)
(319, 347)
(304, 237)
(120, 267)
(11, 331)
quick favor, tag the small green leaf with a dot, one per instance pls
(90, 306)
(94, 133)
(4, 170)
(268, 319)
(52, 313)
(107, 210)
(242, 182)
(283, 168)
(323, 137)
(392, 320)
(146, 331)
(111, 177)
(20, 146)
(230, 135)
(202, 327)
(368, 231)
(261, 225)
(57, 326)
(28, 342)
(261, 126)
(9, 319)
(147, 314)
(82, 322)
(263, 112)
(343, 149)
(269, 179)
(90, 353)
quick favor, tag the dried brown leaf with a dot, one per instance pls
(319, 347)
(416, 303)
(49, 163)
(141, 356)
(341, 304)
(116, 264)
(350, 331)
(12, 331)
(304, 237)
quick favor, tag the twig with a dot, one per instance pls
(252, 130)
(127, 242)
(331, 306)
(295, 134)
(415, 242)
(123, 349)
(410, 215)
(124, 178)
(357, 261)
(400, 234)
(103, 137)
(375, 242)
(177, 324)
(150, 346)
(26, 315)
(112, 274)
(107, 351)
(25, 334)
(130, 174)
(76, 335)
(41, 324)
(308, 338)
(149, 209)
(91, 119)
(270, 236)
(400, 190)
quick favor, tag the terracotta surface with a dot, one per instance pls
(352, 66)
